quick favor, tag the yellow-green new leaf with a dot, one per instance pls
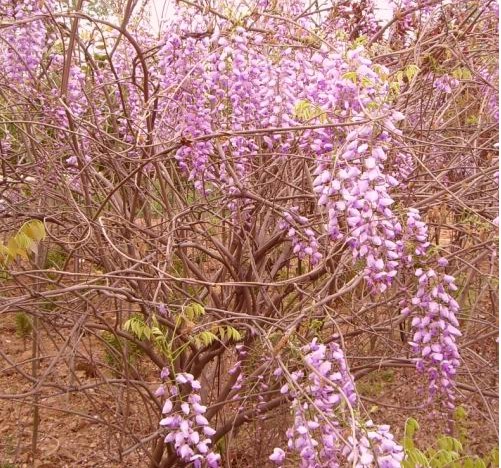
(34, 229)
(15, 249)
(193, 311)
(411, 71)
(206, 338)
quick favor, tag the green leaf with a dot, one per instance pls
(23, 241)
(198, 310)
(352, 76)
(449, 444)
(411, 71)
(411, 426)
(305, 111)
(316, 325)
(444, 458)
(408, 443)
(232, 333)
(16, 248)
(360, 40)
(147, 332)
(24, 324)
(417, 458)
(4, 253)
(460, 413)
(34, 229)
(395, 87)
(193, 311)
(462, 73)
(366, 82)
(157, 332)
(474, 462)
(138, 327)
(206, 338)
(494, 456)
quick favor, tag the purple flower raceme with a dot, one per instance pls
(353, 185)
(433, 310)
(356, 17)
(26, 41)
(322, 435)
(406, 24)
(404, 166)
(302, 247)
(188, 430)
(446, 83)
(491, 91)
(435, 330)
(416, 233)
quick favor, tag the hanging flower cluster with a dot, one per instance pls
(301, 247)
(362, 188)
(322, 434)
(25, 41)
(434, 325)
(435, 330)
(446, 83)
(416, 233)
(354, 17)
(188, 429)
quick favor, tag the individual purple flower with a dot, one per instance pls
(213, 460)
(167, 408)
(162, 310)
(442, 261)
(160, 391)
(278, 456)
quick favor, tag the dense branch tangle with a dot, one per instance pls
(205, 199)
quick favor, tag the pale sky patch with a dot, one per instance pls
(162, 10)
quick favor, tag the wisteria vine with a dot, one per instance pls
(251, 173)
